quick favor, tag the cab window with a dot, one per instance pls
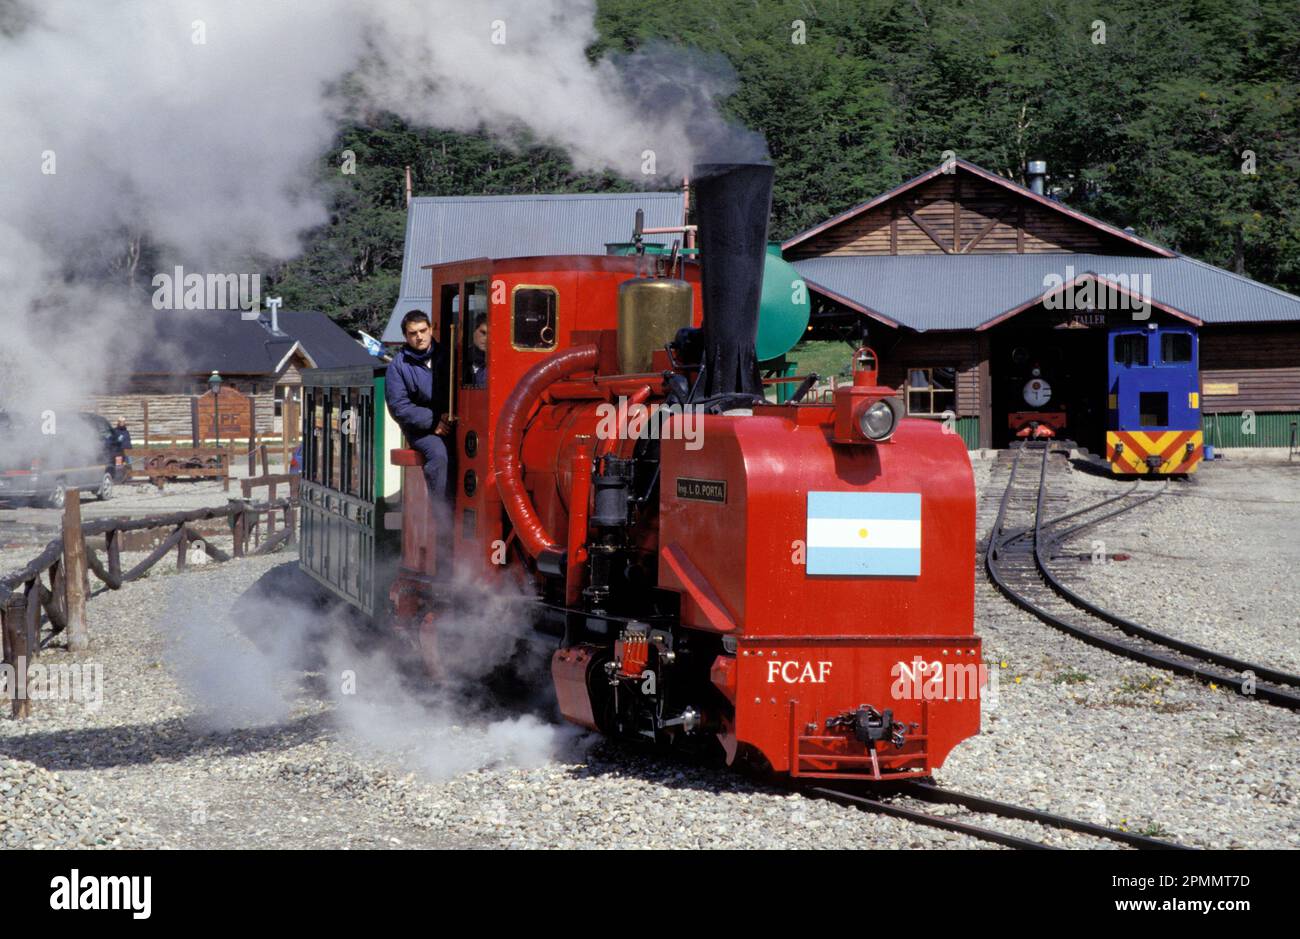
(1131, 349)
(533, 316)
(473, 333)
(1175, 348)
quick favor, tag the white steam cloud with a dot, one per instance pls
(197, 123)
(252, 664)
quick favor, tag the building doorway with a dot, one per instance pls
(1049, 374)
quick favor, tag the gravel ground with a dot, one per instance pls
(161, 758)
(1084, 733)
(205, 739)
(1215, 559)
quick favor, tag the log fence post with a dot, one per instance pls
(241, 529)
(14, 617)
(113, 548)
(74, 572)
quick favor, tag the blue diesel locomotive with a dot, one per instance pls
(1154, 409)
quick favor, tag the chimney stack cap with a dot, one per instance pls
(1038, 167)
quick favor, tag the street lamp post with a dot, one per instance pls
(214, 382)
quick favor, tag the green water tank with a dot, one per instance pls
(783, 310)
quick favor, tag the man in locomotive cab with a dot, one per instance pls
(415, 387)
(478, 352)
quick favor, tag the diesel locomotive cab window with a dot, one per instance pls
(1175, 348)
(931, 390)
(534, 317)
(1131, 349)
(1153, 408)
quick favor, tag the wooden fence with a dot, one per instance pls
(161, 463)
(68, 561)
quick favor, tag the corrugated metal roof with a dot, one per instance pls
(940, 291)
(457, 228)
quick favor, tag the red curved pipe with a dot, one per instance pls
(507, 466)
(640, 396)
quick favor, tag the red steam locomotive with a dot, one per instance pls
(791, 582)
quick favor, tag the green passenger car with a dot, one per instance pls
(350, 491)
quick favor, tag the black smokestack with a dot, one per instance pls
(732, 204)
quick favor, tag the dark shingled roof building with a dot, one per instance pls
(198, 342)
(167, 359)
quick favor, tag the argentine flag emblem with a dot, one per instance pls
(869, 534)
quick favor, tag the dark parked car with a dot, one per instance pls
(42, 460)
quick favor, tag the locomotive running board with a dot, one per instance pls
(822, 761)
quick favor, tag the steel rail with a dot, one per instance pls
(879, 806)
(1150, 635)
(1268, 690)
(929, 792)
(934, 793)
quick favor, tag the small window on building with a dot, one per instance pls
(931, 391)
(1175, 348)
(1131, 349)
(534, 317)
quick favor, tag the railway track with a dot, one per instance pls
(928, 792)
(1021, 547)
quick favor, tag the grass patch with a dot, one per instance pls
(1071, 677)
(826, 358)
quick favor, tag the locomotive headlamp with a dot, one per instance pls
(879, 421)
(866, 412)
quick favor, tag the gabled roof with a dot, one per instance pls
(191, 342)
(458, 228)
(939, 291)
(1014, 188)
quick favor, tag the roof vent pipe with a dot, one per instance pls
(1037, 175)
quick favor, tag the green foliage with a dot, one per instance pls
(1146, 129)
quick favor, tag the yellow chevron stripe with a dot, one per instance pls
(1155, 443)
(1125, 462)
(1132, 460)
(1196, 441)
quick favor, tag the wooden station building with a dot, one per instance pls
(966, 277)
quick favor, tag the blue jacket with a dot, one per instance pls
(416, 395)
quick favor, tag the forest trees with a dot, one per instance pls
(1179, 119)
